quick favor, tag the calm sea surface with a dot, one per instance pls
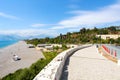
(7, 43)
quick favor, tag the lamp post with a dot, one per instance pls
(60, 38)
(100, 38)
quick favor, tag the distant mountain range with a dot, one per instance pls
(18, 37)
(9, 37)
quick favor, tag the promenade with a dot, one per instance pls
(88, 64)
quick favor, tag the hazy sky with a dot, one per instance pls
(52, 17)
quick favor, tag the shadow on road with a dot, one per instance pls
(65, 73)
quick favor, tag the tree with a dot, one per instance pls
(112, 29)
(118, 41)
(95, 29)
(47, 39)
(64, 47)
(111, 41)
(83, 30)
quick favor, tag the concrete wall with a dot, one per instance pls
(54, 69)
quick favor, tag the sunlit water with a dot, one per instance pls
(7, 43)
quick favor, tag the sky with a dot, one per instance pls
(49, 18)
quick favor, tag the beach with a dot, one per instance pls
(27, 55)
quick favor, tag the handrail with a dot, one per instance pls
(112, 51)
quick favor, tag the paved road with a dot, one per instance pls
(88, 64)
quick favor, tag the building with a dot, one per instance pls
(113, 36)
(44, 47)
(71, 45)
(31, 46)
(57, 45)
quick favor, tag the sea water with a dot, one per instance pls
(6, 43)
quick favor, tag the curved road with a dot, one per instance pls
(88, 64)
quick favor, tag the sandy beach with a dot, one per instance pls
(27, 55)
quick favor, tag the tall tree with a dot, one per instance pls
(83, 30)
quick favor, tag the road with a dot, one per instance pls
(88, 64)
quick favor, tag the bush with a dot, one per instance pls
(64, 47)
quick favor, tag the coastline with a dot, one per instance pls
(4, 44)
(27, 55)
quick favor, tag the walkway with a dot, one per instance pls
(88, 64)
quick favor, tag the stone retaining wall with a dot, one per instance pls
(54, 69)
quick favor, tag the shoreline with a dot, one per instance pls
(13, 42)
(20, 48)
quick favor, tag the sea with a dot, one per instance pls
(6, 43)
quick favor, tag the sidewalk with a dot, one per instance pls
(88, 64)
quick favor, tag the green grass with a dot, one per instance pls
(33, 70)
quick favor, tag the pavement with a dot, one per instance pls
(89, 64)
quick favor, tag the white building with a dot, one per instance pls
(44, 47)
(31, 46)
(71, 45)
(55, 45)
(113, 36)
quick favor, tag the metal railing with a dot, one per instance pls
(112, 50)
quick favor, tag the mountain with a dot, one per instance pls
(9, 37)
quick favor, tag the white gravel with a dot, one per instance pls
(27, 55)
(88, 64)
